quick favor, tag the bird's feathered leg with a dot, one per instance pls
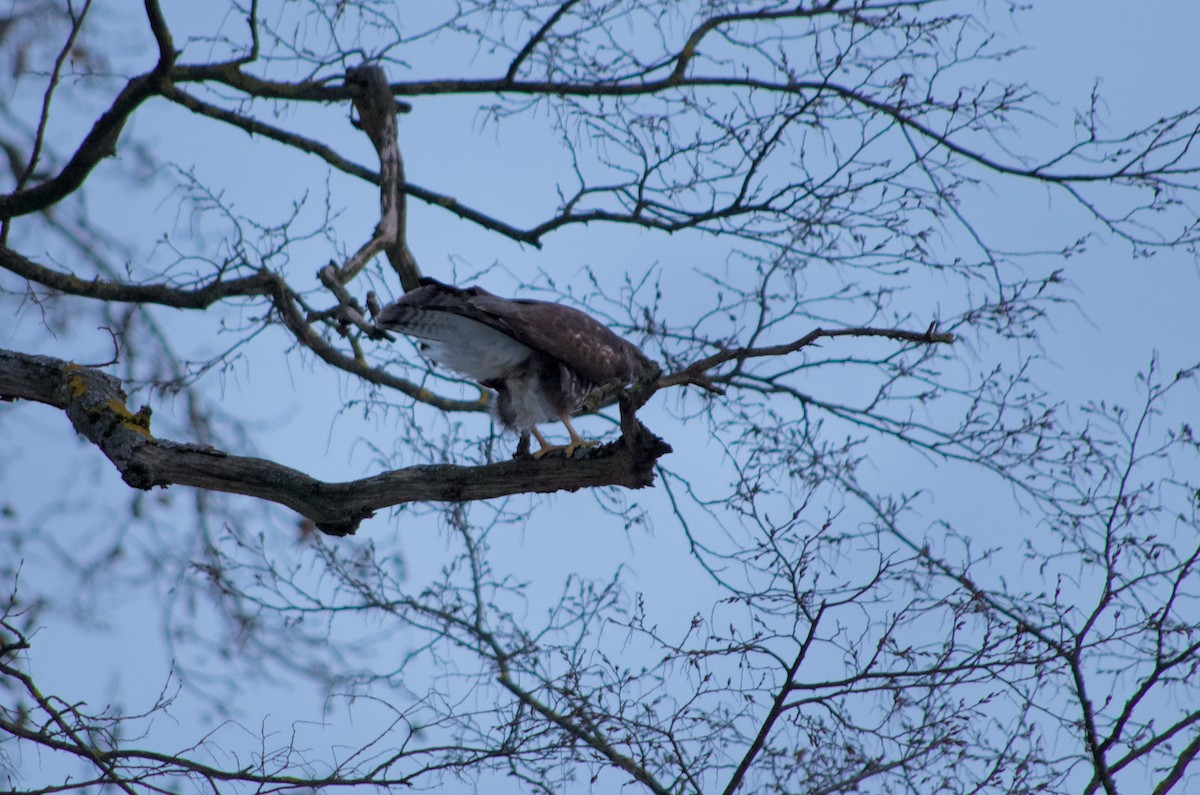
(523, 446)
(568, 449)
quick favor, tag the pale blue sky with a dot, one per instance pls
(1146, 61)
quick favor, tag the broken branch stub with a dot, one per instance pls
(372, 98)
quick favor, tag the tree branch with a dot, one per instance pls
(231, 75)
(377, 116)
(262, 282)
(536, 39)
(310, 146)
(1182, 762)
(101, 141)
(95, 403)
(696, 372)
(39, 138)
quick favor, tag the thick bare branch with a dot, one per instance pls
(95, 403)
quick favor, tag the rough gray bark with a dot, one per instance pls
(95, 404)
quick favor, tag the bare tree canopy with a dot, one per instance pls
(855, 529)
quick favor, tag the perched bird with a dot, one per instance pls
(541, 359)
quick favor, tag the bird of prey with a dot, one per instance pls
(541, 359)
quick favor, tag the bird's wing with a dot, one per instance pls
(473, 324)
(572, 337)
(453, 334)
